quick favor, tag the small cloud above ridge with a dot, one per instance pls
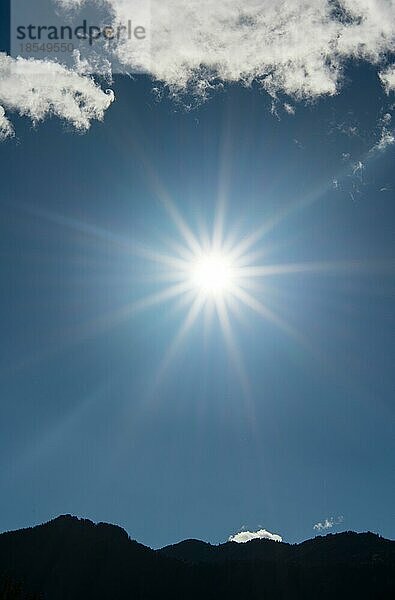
(328, 523)
(246, 536)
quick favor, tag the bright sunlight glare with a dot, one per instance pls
(218, 274)
(212, 273)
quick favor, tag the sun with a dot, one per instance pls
(215, 275)
(212, 273)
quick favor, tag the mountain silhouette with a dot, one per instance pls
(75, 559)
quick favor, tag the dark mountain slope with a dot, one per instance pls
(345, 565)
(75, 559)
(195, 551)
(362, 548)
(70, 559)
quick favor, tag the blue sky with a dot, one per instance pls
(89, 427)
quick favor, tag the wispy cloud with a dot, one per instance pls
(293, 46)
(38, 89)
(388, 79)
(6, 129)
(262, 534)
(289, 108)
(328, 523)
(387, 139)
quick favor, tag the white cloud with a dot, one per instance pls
(294, 46)
(245, 536)
(387, 139)
(6, 129)
(38, 89)
(289, 108)
(388, 79)
(358, 168)
(386, 135)
(328, 523)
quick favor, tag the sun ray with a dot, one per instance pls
(291, 208)
(158, 297)
(158, 257)
(186, 326)
(219, 222)
(208, 276)
(234, 353)
(107, 321)
(265, 312)
(314, 267)
(235, 357)
(224, 183)
(181, 225)
(213, 273)
(181, 251)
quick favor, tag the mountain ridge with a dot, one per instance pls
(69, 558)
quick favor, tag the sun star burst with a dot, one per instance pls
(212, 273)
